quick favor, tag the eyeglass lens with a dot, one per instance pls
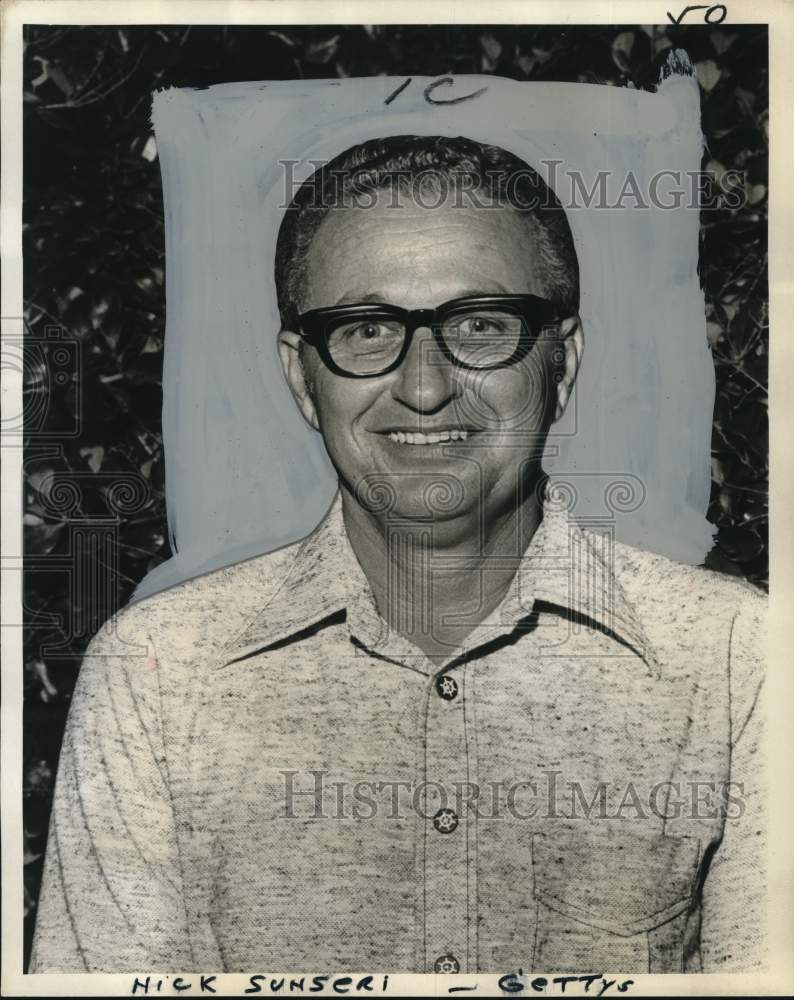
(479, 337)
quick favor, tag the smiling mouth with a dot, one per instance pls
(436, 437)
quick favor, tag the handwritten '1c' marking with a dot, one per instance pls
(447, 81)
(398, 91)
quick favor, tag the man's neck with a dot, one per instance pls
(433, 582)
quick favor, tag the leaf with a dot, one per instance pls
(38, 777)
(708, 74)
(322, 51)
(491, 49)
(717, 169)
(93, 457)
(622, 47)
(722, 40)
(149, 151)
(41, 480)
(713, 333)
(661, 45)
(756, 193)
(526, 63)
(39, 668)
(60, 79)
(726, 501)
(290, 42)
(38, 80)
(729, 310)
(152, 346)
(42, 538)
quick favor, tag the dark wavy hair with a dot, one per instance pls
(400, 161)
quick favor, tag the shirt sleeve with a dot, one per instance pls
(733, 932)
(111, 897)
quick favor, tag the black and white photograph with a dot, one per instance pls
(386, 497)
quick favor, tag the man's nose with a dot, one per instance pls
(425, 380)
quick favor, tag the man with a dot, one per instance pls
(449, 731)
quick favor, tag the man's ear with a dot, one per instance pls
(572, 336)
(289, 350)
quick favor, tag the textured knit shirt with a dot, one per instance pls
(258, 774)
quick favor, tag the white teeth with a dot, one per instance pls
(437, 437)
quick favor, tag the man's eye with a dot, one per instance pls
(367, 331)
(361, 331)
(483, 324)
(365, 334)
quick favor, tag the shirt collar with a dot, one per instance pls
(564, 566)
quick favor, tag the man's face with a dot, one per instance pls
(419, 257)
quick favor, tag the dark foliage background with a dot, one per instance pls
(94, 268)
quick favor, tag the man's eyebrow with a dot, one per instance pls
(496, 288)
(352, 298)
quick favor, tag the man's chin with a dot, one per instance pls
(420, 497)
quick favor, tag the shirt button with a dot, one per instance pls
(445, 821)
(447, 687)
(447, 964)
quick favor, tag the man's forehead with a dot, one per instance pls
(427, 247)
(422, 204)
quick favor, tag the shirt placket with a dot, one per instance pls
(449, 824)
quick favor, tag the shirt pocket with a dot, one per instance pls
(621, 903)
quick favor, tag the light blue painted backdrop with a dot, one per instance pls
(245, 474)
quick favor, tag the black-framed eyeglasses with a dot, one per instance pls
(477, 333)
